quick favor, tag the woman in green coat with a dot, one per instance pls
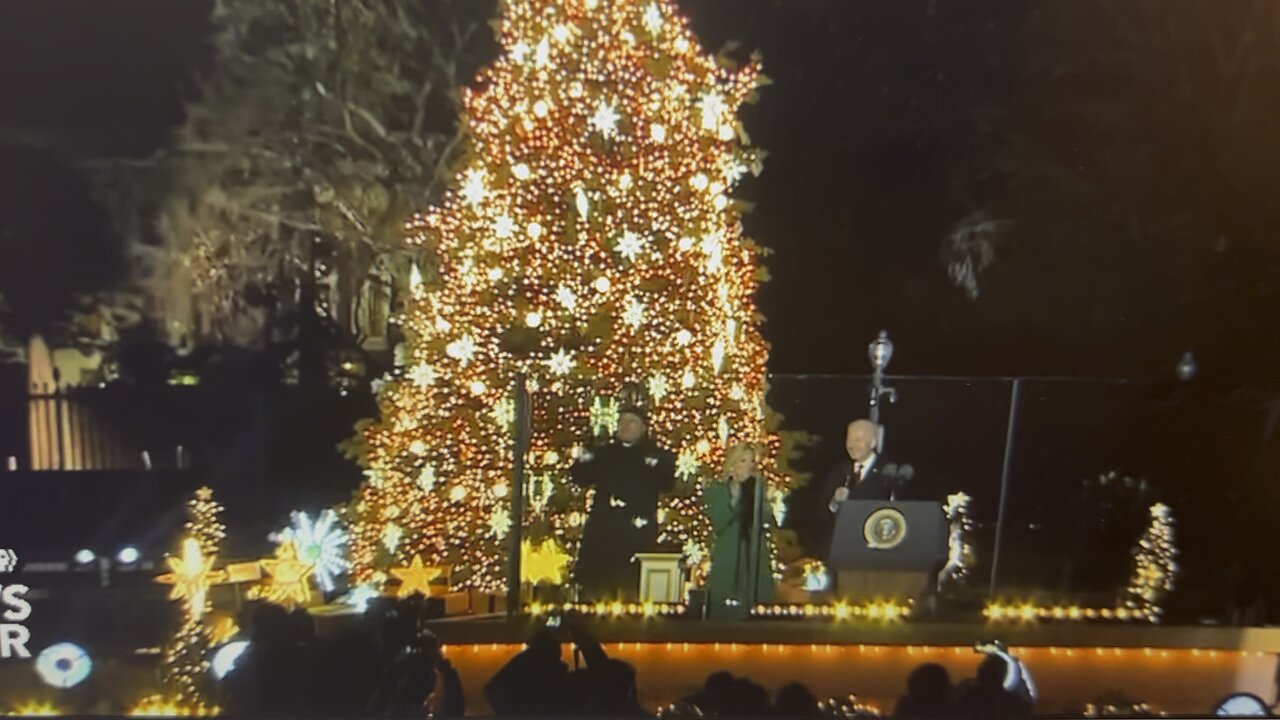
(730, 505)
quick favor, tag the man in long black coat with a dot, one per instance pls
(628, 475)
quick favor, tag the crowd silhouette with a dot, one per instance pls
(391, 665)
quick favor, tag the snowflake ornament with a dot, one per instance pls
(687, 464)
(560, 362)
(633, 313)
(391, 537)
(605, 120)
(657, 387)
(360, 596)
(463, 349)
(320, 543)
(427, 479)
(629, 246)
(499, 522)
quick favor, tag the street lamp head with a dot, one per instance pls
(880, 351)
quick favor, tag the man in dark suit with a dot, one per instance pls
(860, 475)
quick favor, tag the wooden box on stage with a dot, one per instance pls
(661, 577)
(887, 550)
(483, 603)
(449, 604)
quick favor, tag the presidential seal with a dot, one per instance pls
(884, 529)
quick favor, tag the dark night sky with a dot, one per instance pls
(1139, 173)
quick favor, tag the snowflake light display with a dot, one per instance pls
(320, 543)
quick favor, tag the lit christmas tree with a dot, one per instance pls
(1154, 565)
(186, 666)
(591, 244)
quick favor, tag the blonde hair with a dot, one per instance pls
(731, 455)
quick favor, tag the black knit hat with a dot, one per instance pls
(634, 410)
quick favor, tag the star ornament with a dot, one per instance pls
(416, 577)
(289, 583)
(191, 574)
(543, 563)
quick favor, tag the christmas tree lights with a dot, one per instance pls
(591, 244)
(1154, 566)
(191, 574)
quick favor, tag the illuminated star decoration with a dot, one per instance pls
(321, 543)
(416, 577)
(191, 574)
(289, 584)
(544, 562)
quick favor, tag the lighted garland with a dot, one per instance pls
(875, 611)
(591, 244)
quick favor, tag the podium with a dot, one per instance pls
(661, 577)
(886, 550)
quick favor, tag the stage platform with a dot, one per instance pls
(1180, 670)
(472, 630)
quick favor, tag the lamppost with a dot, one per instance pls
(880, 351)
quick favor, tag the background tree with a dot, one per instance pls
(280, 203)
